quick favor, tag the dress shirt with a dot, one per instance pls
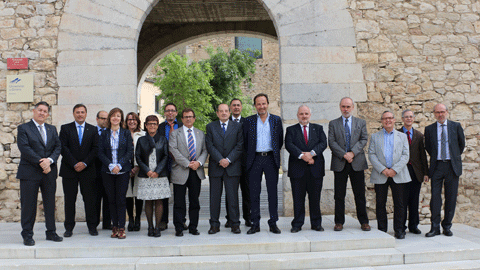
(411, 132)
(185, 131)
(44, 130)
(167, 128)
(349, 123)
(114, 140)
(388, 138)
(308, 136)
(239, 118)
(439, 139)
(99, 130)
(83, 128)
(264, 138)
(226, 124)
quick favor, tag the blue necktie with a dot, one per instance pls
(223, 127)
(80, 134)
(191, 146)
(347, 135)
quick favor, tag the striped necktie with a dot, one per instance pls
(191, 146)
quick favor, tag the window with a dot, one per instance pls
(158, 104)
(244, 43)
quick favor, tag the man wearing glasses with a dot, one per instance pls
(444, 142)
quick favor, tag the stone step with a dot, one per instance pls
(464, 265)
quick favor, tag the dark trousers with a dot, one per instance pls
(28, 200)
(357, 181)
(116, 188)
(70, 191)
(412, 193)
(300, 187)
(245, 189)
(443, 175)
(381, 191)
(193, 185)
(102, 208)
(165, 210)
(231, 193)
(264, 164)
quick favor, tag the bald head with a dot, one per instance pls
(440, 112)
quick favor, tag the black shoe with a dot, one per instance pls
(178, 233)
(236, 229)
(447, 232)
(28, 241)
(157, 232)
(136, 226)
(318, 228)
(150, 231)
(185, 227)
(228, 224)
(432, 233)
(130, 226)
(163, 226)
(67, 233)
(54, 237)
(415, 231)
(295, 229)
(92, 232)
(214, 230)
(248, 223)
(253, 229)
(275, 229)
(400, 235)
(194, 232)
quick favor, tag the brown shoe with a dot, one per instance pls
(114, 232)
(366, 227)
(338, 227)
(121, 233)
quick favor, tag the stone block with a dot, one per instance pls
(7, 23)
(367, 58)
(14, 151)
(366, 5)
(10, 33)
(48, 32)
(96, 75)
(431, 29)
(321, 73)
(43, 65)
(7, 12)
(70, 41)
(48, 53)
(92, 26)
(340, 37)
(3, 45)
(331, 21)
(395, 26)
(320, 55)
(370, 26)
(12, 117)
(6, 138)
(323, 111)
(45, 9)
(37, 22)
(464, 27)
(380, 44)
(25, 10)
(17, 43)
(141, 4)
(94, 58)
(28, 32)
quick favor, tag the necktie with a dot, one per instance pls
(171, 127)
(223, 127)
(80, 134)
(236, 120)
(347, 135)
(443, 139)
(42, 133)
(305, 135)
(191, 146)
(408, 136)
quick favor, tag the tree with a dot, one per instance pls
(187, 86)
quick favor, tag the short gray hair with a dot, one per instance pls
(387, 112)
(346, 98)
(407, 110)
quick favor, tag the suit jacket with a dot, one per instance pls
(295, 145)
(73, 152)
(178, 147)
(221, 146)
(456, 143)
(124, 151)
(243, 158)
(337, 143)
(32, 149)
(250, 137)
(401, 155)
(418, 156)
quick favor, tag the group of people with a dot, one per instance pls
(126, 167)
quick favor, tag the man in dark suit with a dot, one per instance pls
(165, 128)
(418, 169)
(306, 167)
(79, 150)
(263, 141)
(444, 142)
(100, 193)
(224, 140)
(347, 137)
(39, 147)
(236, 110)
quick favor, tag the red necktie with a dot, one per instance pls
(408, 136)
(305, 134)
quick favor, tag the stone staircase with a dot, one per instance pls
(350, 248)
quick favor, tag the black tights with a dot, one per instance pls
(138, 208)
(158, 212)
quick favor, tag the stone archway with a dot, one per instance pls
(98, 44)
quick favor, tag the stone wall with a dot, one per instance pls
(414, 55)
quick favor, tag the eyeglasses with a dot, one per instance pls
(131, 119)
(102, 118)
(188, 117)
(388, 118)
(170, 111)
(152, 124)
(408, 117)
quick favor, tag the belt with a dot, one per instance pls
(264, 154)
(446, 160)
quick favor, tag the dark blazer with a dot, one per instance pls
(143, 151)
(124, 152)
(243, 158)
(295, 145)
(418, 156)
(250, 137)
(456, 142)
(358, 140)
(73, 152)
(32, 149)
(221, 146)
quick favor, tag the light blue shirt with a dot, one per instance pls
(167, 128)
(411, 132)
(439, 139)
(349, 123)
(388, 147)
(264, 138)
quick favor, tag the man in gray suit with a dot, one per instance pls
(224, 142)
(187, 145)
(389, 154)
(347, 137)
